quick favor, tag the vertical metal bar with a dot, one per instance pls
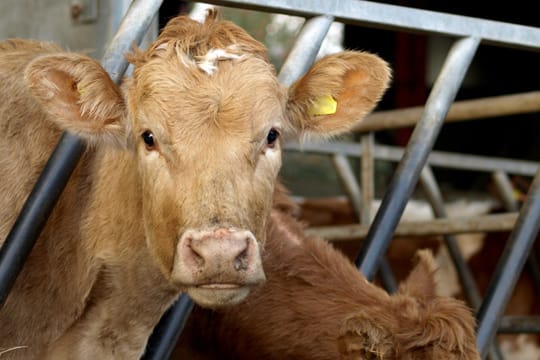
(434, 195)
(349, 182)
(416, 153)
(65, 157)
(305, 49)
(354, 193)
(367, 177)
(506, 190)
(429, 184)
(509, 268)
(165, 335)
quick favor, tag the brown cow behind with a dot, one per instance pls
(316, 305)
(175, 190)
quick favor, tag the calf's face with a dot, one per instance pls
(204, 118)
(208, 161)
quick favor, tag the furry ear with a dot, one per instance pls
(420, 283)
(444, 329)
(362, 337)
(79, 95)
(337, 92)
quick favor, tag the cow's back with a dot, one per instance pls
(26, 143)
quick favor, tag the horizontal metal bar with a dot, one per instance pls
(514, 324)
(392, 17)
(435, 158)
(464, 110)
(455, 225)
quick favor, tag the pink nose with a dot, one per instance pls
(219, 256)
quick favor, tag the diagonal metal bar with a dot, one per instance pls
(415, 156)
(305, 49)
(509, 268)
(346, 175)
(165, 335)
(65, 157)
(434, 195)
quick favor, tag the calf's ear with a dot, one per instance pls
(362, 336)
(79, 96)
(337, 92)
(420, 283)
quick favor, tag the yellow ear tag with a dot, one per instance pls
(324, 105)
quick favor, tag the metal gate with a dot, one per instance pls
(414, 162)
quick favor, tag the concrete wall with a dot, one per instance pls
(51, 20)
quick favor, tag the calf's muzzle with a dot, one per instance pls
(218, 266)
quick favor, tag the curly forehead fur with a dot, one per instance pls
(196, 39)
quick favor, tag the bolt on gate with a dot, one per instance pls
(414, 161)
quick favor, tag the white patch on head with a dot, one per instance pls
(208, 63)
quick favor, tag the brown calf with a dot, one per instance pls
(175, 189)
(316, 305)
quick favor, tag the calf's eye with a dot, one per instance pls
(149, 139)
(271, 138)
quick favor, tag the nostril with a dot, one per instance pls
(191, 254)
(197, 257)
(241, 261)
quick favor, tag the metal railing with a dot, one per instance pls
(468, 33)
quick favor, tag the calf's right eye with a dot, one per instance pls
(149, 140)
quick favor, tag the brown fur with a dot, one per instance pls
(316, 305)
(111, 258)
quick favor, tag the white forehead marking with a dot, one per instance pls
(208, 63)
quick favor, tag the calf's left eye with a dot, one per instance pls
(272, 137)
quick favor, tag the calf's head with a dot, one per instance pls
(204, 116)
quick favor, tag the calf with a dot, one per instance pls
(174, 191)
(316, 305)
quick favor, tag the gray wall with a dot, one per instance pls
(51, 20)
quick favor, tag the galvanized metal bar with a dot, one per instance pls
(165, 335)
(65, 157)
(305, 49)
(348, 181)
(367, 177)
(353, 191)
(509, 268)
(455, 225)
(415, 156)
(506, 192)
(463, 110)
(435, 158)
(37, 209)
(515, 324)
(132, 29)
(392, 17)
(434, 195)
